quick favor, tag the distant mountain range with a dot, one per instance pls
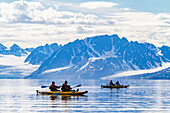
(93, 57)
(35, 55)
(96, 57)
(165, 51)
(12, 59)
(14, 50)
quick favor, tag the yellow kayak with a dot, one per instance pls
(115, 86)
(62, 93)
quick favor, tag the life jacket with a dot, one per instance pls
(65, 87)
(53, 87)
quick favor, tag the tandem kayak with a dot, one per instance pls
(115, 86)
(62, 93)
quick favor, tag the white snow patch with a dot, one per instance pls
(11, 60)
(90, 46)
(135, 66)
(16, 64)
(102, 57)
(159, 53)
(96, 58)
(101, 68)
(90, 60)
(84, 66)
(137, 72)
(56, 69)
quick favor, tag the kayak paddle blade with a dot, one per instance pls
(44, 86)
(77, 86)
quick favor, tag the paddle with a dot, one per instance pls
(44, 86)
(72, 87)
(77, 86)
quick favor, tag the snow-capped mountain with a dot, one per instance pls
(29, 49)
(165, 51)
(13, 50)
(2, 48)
(41, 53)
(100, 56)
(16, 50)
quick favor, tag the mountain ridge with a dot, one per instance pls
(41, 53)
(13, 50)
(99, 56)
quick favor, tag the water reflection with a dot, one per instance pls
(67, 97)
(53, 97)
(66, 102)
(153, 96)
(62, 97)
(114, 92)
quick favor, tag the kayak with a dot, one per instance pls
(115, 86)
(62, 93)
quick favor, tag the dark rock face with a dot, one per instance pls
(41, 53)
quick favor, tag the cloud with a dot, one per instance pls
(35, 12)
(97, 5)
(164, 17)
(83, 29)
(83, 19)
(136, 18)
(18, 10)
(35, 23)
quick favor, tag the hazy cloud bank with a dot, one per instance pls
(37, 23)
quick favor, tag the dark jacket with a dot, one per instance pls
(117, 83)
(66, 87)
(111, 83)
(53, 87)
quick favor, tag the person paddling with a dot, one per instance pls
(117, 83)
(65, 87)
(111, 82)
(53, 87)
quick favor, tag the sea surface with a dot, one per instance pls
(143, 96)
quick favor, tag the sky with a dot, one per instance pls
(31, 23)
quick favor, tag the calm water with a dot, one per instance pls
(19, 96)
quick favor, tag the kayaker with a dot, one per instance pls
(117, 83)
(53, 87)
(65, 87)
(111, 82)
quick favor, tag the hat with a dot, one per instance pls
(53, 82)
(66, 82)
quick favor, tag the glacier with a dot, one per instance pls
(134, 73)
(13, 67)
